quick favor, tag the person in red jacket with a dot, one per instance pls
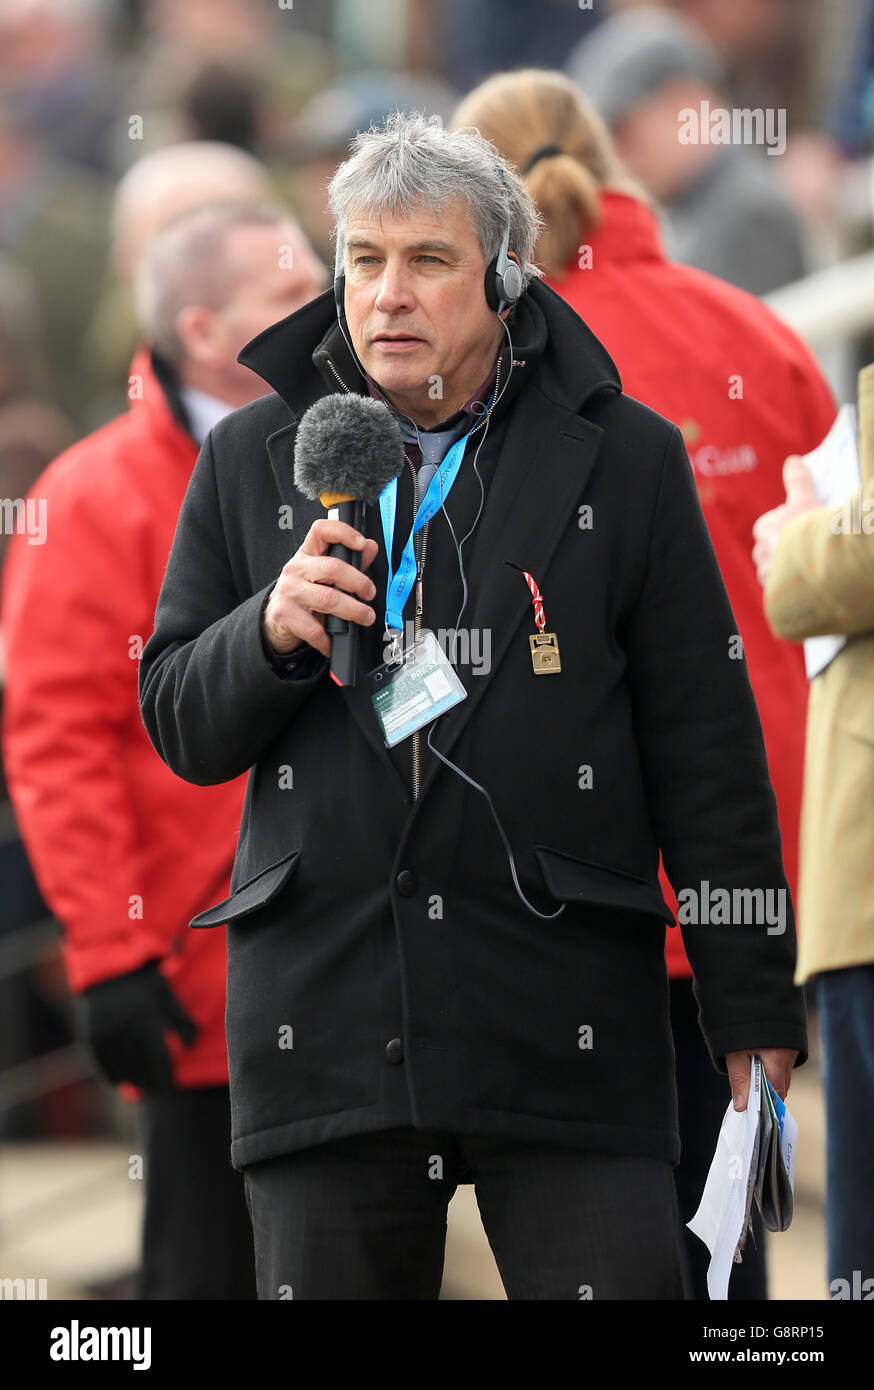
(745, 392)
(124, 852)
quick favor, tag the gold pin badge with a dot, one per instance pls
(545, 657)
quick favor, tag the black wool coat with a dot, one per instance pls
(382, 970)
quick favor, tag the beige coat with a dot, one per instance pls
(822, 580)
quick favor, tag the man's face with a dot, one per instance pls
(274, 272)
(416, 307)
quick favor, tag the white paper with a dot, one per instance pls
(721, 1215)
(819, 652)
(834, 464)
(836, 473)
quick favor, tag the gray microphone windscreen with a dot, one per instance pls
(347, 445)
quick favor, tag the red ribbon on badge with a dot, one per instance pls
(537, 600)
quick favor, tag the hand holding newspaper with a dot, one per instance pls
(755, 1157)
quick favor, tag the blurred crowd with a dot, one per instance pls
(91, 88)
(123, 121)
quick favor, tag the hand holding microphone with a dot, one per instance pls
(347, 449)
(314, 583)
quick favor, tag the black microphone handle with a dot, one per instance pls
(343, 634)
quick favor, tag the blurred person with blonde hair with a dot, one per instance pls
(124, 852)
(743, 389)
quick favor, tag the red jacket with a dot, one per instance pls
(745, 392)
(125, 852)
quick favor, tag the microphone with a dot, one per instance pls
(348, 448)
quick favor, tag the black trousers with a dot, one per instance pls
(365, 1218)
(197, 1238)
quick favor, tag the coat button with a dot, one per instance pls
(406, 883)
(394, 1052)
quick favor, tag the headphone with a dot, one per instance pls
(503, 277)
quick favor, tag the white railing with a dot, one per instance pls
(831, 305)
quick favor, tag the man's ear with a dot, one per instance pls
(199, 332)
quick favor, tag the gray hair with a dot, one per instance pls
(186, 263)
(410, 161)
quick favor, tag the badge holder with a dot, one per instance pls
(413, 688)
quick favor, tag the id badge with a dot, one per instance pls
(415, 691)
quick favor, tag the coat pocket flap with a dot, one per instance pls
(254, 893)
(577, 880)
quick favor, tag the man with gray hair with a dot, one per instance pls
(445, 930)
(123, 851)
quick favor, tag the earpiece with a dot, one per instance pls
(503, 279)
(503, 276)
(339, 283)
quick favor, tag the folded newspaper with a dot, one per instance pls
(754, 1159)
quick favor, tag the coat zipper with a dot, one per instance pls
(420, 543)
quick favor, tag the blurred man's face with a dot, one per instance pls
(648, 139)
(416, 308)
(272, 271)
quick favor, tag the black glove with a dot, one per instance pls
(123, 1022)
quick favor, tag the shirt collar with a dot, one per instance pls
(203, 411)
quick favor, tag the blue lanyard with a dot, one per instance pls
(400, 581)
